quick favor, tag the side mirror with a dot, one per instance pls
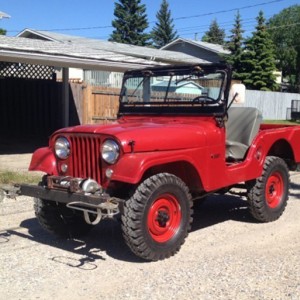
(240, 90)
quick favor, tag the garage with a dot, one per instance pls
(33, 103)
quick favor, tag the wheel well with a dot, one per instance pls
(182, 169)
(283, 150)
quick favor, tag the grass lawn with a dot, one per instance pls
(286, 122)
(10, 177)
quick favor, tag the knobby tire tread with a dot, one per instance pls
(60, 220)
(134, 211)
(256, 194)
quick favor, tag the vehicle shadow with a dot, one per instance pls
(220, 208)
(294, 190)
(106, 238)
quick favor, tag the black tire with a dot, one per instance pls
(157, 218)
(59, 220)
(268, 194)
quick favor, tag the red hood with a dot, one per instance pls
(155, 134)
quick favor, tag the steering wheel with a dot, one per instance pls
(202, 99)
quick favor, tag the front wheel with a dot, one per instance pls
(59, 220)
(268, 194)
(157, 218)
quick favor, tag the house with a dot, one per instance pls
(183, 87)
(108, 78)
(41, 104)
(203, 50)
(32, 102)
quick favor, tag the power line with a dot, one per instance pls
(267, 27)
(222, 24)
(244, 28)
(178, 18)
(69, 29)
(283, 26)
(228, 10)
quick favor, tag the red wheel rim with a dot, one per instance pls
(274, 190)
(164, 218)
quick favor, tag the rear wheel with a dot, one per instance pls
(268, 194)
(157, 217)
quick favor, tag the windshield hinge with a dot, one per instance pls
(220, 122)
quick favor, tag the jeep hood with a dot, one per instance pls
(154, 135)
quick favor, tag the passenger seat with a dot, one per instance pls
(241, 128)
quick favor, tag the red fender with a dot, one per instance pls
(43, 160)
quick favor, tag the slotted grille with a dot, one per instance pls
(85, 157)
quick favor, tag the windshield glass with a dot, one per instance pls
(194, 88)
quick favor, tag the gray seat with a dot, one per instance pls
(241, 128)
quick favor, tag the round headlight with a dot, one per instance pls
(110, 151)
(62, 148)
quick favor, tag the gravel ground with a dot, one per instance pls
(227, 255)
(15, 162)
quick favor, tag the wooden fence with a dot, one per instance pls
(100, 104)
(34, 107)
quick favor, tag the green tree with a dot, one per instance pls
(2, 31)
(163, 31)
(130, 23)
(215, 34)
(258, 59)
(284, 30)
(235, 46)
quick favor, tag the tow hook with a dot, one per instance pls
(9, 191)
(108, 209)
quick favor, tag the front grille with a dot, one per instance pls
(85, 156)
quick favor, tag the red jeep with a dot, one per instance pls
(176, 140)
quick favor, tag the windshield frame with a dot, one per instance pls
(217, 107)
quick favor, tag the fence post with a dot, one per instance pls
(86, 103)
(65, 97)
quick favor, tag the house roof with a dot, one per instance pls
(218, 49)
(164, 56)
(24, 50)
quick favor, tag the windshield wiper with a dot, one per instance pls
(168, 88)
(138, 86)
(183, 79)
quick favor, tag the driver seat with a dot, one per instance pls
(241, 128)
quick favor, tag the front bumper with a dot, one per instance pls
(62, 196)
(98, 205)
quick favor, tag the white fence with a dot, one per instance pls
(273, 105)
(103, 78)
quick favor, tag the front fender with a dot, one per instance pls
(131, 167)
(43, 160)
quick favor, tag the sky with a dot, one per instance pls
(92, 18)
